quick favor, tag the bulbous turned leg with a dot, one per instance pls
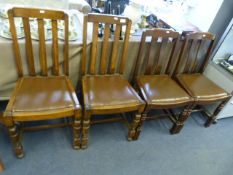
(133, 127)
(1, 166)
(212, 118)
(85, 130)
(177, 127)
(77, 130)
(15, 139)
(138, 130)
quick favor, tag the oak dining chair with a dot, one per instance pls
(42, 95)
(193, 60)
(153, 77)
(105, 90)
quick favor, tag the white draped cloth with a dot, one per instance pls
(80, 5)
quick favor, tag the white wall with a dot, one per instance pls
(202, 12)
(226, 48)
(222, 19)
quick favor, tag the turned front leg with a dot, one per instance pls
(212, 118)
(144, 112)
(139, 128)
(133, 127)
(77, 130)
(176, 128)
(15, 139)
(85, 129)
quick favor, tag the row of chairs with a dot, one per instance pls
(165, 77)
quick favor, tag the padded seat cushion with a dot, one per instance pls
(161, 90)
(201, 88)
(39, 94)
(108, 91)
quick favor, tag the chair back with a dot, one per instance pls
(27, 14)
(195, 52)
(156, 52)
(111, 60)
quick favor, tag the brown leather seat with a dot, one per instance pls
(161, 90)
(111, 91)
(201, 88)
(42, 95)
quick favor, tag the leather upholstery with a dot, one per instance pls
(37, 94)
(161, 90)
(108, 91)
(201, 88)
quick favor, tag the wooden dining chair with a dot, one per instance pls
(42, 95)
(153, 77)
(105, 90)
(193, 60)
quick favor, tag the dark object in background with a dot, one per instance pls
(230, 60)
(115, 4)
(184, 33)
(3, 105)
(100, 32)
(96, 10)
(153, 21)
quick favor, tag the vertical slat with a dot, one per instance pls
(94, 48)
(146, 57)
(192, 55)
(204, 64)
(125, 47)
(151, 56)
(29, 49)
(138, 63)
(158, 67)
(42, 47)
(103, 62)
(181, 56)
(174, 47)
(156, 62)
(194, 64)
(115, 49)
(55, 48)
(66, 46)
(187, 64)
(84, 51)
(15, 44)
